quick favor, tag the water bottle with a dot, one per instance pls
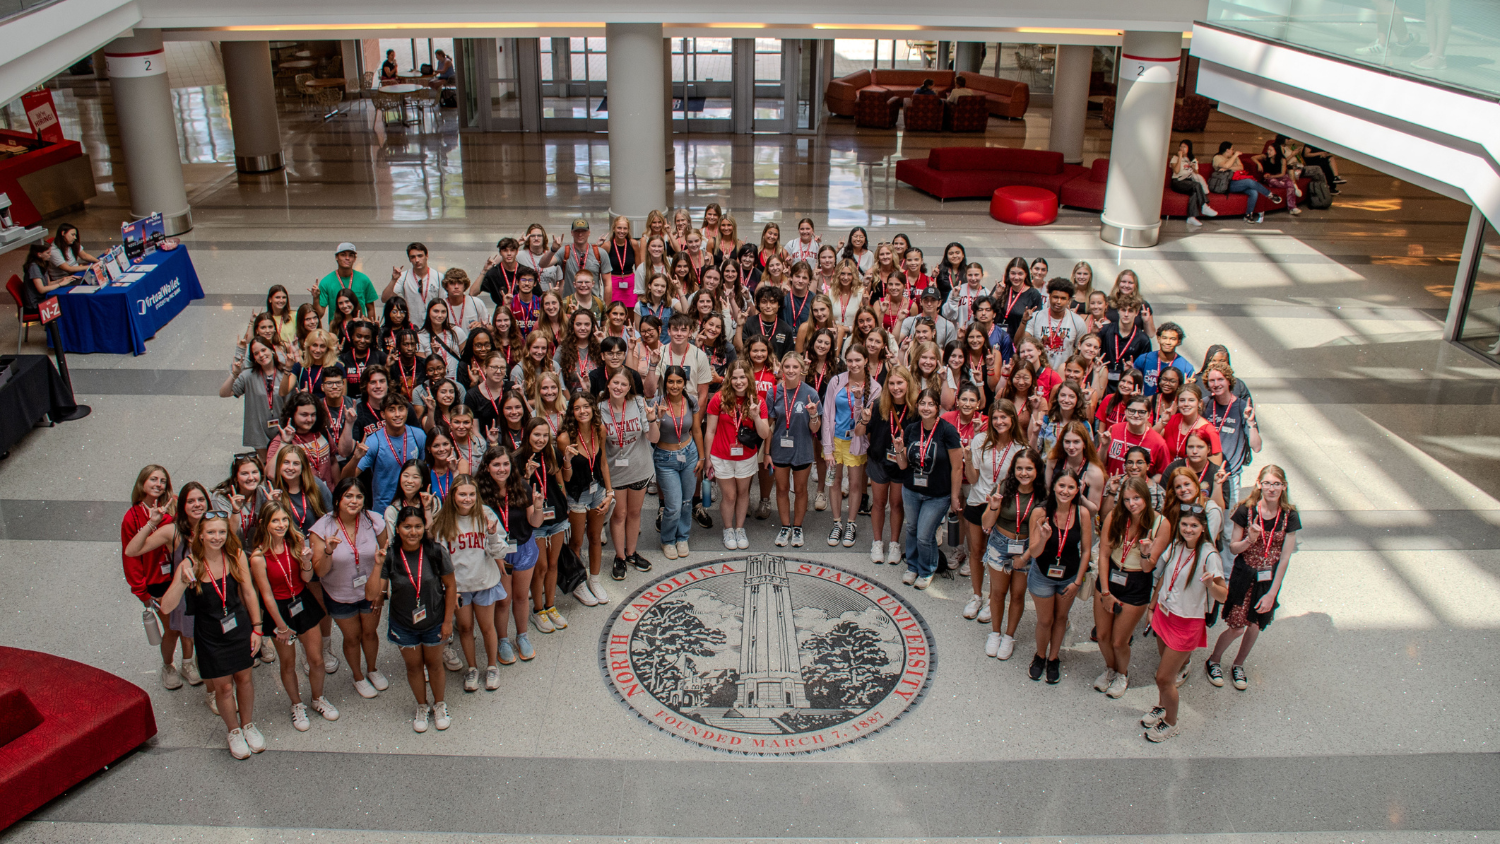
(152, 623)
(953, 540)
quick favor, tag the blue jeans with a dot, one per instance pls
(676, 473)
(923, 515)
(1252, 187)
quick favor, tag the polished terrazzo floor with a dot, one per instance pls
(1371, 712)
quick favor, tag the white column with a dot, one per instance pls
(148, 130)
(1138, 147)
(252, 106)
(637, 119)
(1070, 100)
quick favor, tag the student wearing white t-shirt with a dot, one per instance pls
(1192, 578)
(475, 540)
(681, 353)
(1057, 327)
(418, 285)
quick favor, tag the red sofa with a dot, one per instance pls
(60, 721)
(962, 172)
(1087, 191)
(1005, 97)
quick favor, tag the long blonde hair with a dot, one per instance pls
(234, 559)
(909, 402)
(330, 344)
(307, 480)
(445, 523)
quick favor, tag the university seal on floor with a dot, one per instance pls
(767, 655)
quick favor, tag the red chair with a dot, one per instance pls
(924, 114)
(1191, 113)
(969, 114)
(24, 318)
(876, 108)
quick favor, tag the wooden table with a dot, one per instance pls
(299, 64)
(327, 83)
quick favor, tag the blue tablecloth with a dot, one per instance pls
(119, 320)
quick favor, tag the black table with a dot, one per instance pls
(33, 390)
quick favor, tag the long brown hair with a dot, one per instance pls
(307, 479)
(234, 559)
(1253, 499)
(1121, 516)
(445, 523)
(261, 542)
(138, 492)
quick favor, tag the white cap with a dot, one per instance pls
(346, 246)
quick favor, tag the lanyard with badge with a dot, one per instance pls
(1016, 547)
(1267, 536)
(786, 440)
(504, 514)
(1057, 569)
(1177, 564)
(419, 613)
(548, 513)
(622, 460)
(921, 473)
(897, 424)
(678, 423)
(359, 579)
(856, 404)
(591, 454)
(227, 622)
(284, 562)
(735, 449)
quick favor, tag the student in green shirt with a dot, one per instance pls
(346, 277)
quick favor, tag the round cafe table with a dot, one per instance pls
(327, 83)
(299, 64)
(403, 90)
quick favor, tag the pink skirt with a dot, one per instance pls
(1180, 634)
(622, 289)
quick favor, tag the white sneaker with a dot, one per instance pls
(253, 738)
(984, 613)
(321, 706)
(1161, 732)
(971, 609)
(893, 553)
(741, 538)
(330, 662)
(452, 660)
(669, 550)
(492, 678)
(682, 549)
(877, 552)
(237, 746)
(598, 589)
(584, 595)
(171, 678)
(1007, 646)
(419, 718)
(909, 577)
(797, 537)
(1118, 686)
(992, 644)
(821, 502)
(923, 582)
(542, 623)
(378, 680)
(471, 680)
(731, 539)
(299, 717)
(1375, 48)
(559, 621)
(267, 650)
(1183, 677)
(1103, 680)
(1194, 222)
(440, 717)
(365, 688)
(783, 536)
(189, 670)
(213, 702)
(1208, 211)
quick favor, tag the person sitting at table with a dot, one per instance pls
(38, 286)
(388, 69)
(446, 75)
(67, 256)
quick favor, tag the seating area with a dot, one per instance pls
(1003, 97)
(61, 721)
(978, 172)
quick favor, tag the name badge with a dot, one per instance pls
(418, 615)
(295, 607)
(1114, 376)
(593, 487)
(919, 479)
(622, 462)
(786, 442)
(548, 514)
(361, 580)
(1055, 572)
(510, 548)
(624, 285)
(1117, 577)
(892, 455)
(736, 451)
(229, 622)
(681, 457)
(1228, 428)
(166, 568)
(1015, 547)
(1264, 576)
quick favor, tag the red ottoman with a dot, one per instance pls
(1022, 205)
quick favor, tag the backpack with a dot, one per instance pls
(1318, 195)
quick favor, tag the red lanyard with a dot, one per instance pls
(591, 453)
(505, 514)
(270, 391)
(965, 436)
(313, 380)
(1062, 538)
(352, 547)
(854, 409)
(618, 254)
(796, 311)
(224, 592)
(618, 421)
(509, 280)
(786, 409)
(1010, 302)
(923, 445)
(527, 311)
(493, 406)
(1000, 458)
(1021, 513)
(416, 582)
(407, 381)
(667, 353)
(302, 515)
(405, 445)
(1133, 330)
(1267, 535)
(463, 308)
(541, 471)
(897, 423)
(1177, 569)
(762, 324)
(465, 451)
(423, 289)
(677, 422)
(1218, 421)
(284, 561)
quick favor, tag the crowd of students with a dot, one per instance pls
(435, 445)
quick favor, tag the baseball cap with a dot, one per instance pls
(580, 225)
(346, 246)
(931, 293)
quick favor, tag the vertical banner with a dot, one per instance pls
(43, 115)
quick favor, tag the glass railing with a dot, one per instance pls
(1452, 42)
(11, 8)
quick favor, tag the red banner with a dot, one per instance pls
(43, 115)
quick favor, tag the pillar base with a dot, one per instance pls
(260, 163)
(1129, 237)
(175, 224)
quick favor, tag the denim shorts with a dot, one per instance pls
(340, 610)
(405, 637)
(483, 598)
(996, 554)
(587, 501)
(547, 531)
(1042, 586)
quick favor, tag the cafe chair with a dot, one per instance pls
(24, 318)
(366, 85)
(307, 94)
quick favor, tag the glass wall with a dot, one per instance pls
(1029, 63)
(412, 53)
(1479, 323)
(1456, 42)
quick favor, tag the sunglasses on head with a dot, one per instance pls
(1192, 510)
(216, 514)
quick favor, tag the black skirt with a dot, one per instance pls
(220, 653)
(1245, 591)
(307, 619)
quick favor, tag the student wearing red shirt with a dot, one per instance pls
(1189, 419)
(735, 406)
(1134, 431)
(149, 574)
